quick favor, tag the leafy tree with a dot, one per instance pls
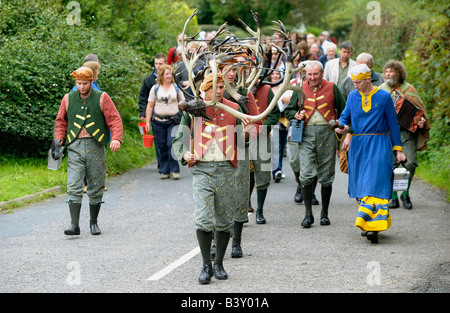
(148, 26)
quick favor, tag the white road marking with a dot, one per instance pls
(174, 265)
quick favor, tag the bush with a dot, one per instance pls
(428, 63)
(38, 52)
(149, 27)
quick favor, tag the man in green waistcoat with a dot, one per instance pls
(83, 124)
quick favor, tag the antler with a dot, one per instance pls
(216, 52)
(285, 85)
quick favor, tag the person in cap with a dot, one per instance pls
(371, 114)
(212, 158)
(85, 119)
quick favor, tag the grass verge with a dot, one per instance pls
(25, 176)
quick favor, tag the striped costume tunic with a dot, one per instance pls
(375, 135)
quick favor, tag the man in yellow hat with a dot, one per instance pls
(371, 113)
(213, 159)
(85, 119)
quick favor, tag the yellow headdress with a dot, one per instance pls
(360, 72)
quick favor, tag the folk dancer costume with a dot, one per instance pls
(260, 150)
(317, 151)
(84, 126)
(294, 158)
(375, 135)
(214, 178)
(412, 142)
(242, 172)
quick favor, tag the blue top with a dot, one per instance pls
(94, 85)
(375, 135)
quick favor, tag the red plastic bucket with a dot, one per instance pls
(148, 140)
(142, 128)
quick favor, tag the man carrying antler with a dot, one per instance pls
(212, 157)
(247, 104)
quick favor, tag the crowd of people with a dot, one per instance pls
(336, 90)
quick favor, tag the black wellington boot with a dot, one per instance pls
(261, 198)
(236, 250)
(326, 196)
(298, 197)
(307, 192)
(74, 228)
(94, 209)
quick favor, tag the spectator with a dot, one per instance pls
(144, 93)
(376, 78)
(336, 70)
(330, 53)
(162, 109)
(172, 56)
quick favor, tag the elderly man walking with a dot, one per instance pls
(317, 151)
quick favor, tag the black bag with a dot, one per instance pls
(177, 117)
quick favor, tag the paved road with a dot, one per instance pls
(148, 244)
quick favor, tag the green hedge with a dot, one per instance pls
(38, 52)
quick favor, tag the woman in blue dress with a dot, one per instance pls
(372, 116)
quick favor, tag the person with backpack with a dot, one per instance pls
(162, 110)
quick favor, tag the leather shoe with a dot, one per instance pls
(314, 200)
(260, 218)
(406, 202)
(308, 221)
(393, 204)
(95, 230)
(219, 272)
(324, 220)
(72, 230)
(236, 250)
(298, 195)
(206, 274)
(372, 236)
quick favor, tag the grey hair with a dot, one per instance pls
(313, 64)
(365, 58)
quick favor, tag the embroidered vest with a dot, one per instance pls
(322, 99)
(88, 114)
(222, 129)
(262, 98)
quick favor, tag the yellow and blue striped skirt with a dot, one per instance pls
(373, 214)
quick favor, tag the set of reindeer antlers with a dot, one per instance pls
(219, 51)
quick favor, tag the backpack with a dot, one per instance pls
(176, 90)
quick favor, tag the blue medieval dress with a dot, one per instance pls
(375, 135)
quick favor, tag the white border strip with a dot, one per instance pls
(174, 265)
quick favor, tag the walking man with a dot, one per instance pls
(317, 151)
(85, 119)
